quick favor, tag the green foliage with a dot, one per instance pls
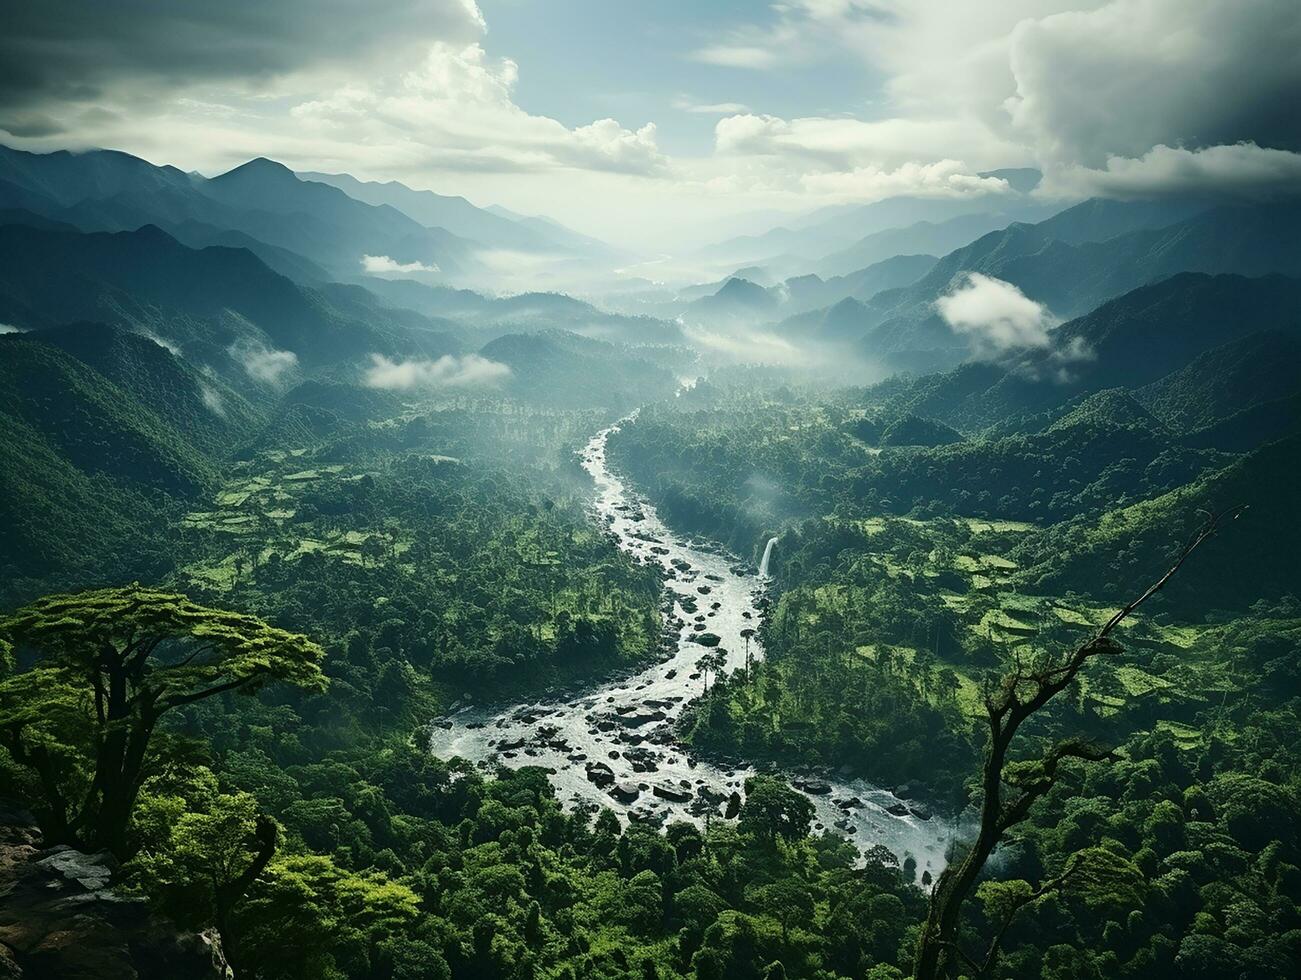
(440, 547)
(773, 812)
(112, 663)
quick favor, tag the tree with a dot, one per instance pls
(206, 860)
(1019, 695)
(774, 811)
(113, 662)
(788, 900)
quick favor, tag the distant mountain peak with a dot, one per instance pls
(262, 168)
(150, 232)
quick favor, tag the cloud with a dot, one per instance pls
(79, 50)
(797, 32)
(605, 145)
(817, 143)
(1081, 87)
(945, 178)
(709, 108)
(263, 363)
(433, 101)
(737, 56)
(751, 346)
(446, 372)
(382, 263)
(995, 314)
(170, 346)
(455, 110)
(10, 328)
(1102, 95)
(212, 400)
(1241, 169)
(1133, 74)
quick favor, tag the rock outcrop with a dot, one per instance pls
(60, 916)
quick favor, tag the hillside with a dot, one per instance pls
(1134, 340)
(455, 214)
(87, 466)
(97, 426)
(208, 302)
(924, 237)
(206, 412)
(566, 370)
(102, 190)
(1234, 377)
(1071, 279)
(1250, 560)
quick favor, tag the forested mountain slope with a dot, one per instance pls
(205, 301)
(102, 190)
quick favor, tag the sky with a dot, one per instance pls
(650, 123)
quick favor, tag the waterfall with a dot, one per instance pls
(767, 554)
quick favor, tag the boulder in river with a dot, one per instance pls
(599, 774)
(671, 793)
(642, 718)
(707, 639)
(733, 806)
(625, 792)
(814, 787)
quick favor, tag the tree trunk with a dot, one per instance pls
(226, 895)
(939, 936)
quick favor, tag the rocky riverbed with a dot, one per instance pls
(614, 745)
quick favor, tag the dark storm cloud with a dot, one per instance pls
(75, 51)
(1131, 75)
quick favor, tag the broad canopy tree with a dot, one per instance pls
(773, 811)
(107, 665)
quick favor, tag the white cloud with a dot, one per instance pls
(446, 372)
(168, 345)
(946, 178)
(212, 400)
(263, 363)
(382, 264)
(605, 145)
(995, 315)
(817, 143)
(1243, 168)
(709, 108)
(798, 31)
(752, 56)
(1102, 94)
(455, 111)
(9, 328)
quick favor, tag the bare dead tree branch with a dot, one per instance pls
(1020, 694)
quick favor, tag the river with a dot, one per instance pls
(624, 727)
